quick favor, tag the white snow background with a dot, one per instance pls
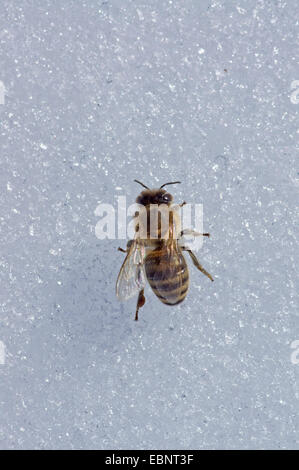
(98, 93)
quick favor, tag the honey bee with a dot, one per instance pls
(157, 259)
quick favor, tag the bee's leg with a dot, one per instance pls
(128, 247)
(197, 263)
(176, 206)
(140, 303)
(189, 231)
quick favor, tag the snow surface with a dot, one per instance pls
(98, 93)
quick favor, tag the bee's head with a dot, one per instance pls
(154, 196)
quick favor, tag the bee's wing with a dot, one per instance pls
(131, 278)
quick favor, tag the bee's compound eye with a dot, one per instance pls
(166, 197)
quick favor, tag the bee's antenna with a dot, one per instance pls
(136, 181)
(174, 182)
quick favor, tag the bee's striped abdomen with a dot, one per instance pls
(167, 275)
